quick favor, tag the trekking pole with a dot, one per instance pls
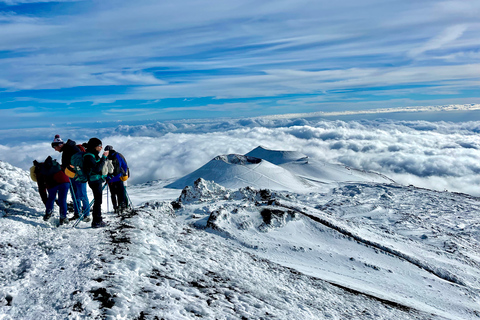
(74, 197)
(128, 198)
(80, 218)
(108, 209)
(81, 215)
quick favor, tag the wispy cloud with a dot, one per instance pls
(447, 36)
(149, 50)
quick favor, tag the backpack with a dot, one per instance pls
(77, 163)
(119, 165)
(47, 168)
(33, 175)
(81, 147)
(50, 167)
(80, 174)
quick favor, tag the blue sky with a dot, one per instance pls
(87, 61)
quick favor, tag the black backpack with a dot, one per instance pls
(47, 168)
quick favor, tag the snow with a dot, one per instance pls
(269, 235)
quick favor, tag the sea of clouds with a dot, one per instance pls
(436, 155)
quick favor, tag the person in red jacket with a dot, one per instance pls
(56, 182)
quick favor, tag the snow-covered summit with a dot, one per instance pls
(275, 169)
(238, 171)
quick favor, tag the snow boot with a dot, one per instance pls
(64, 221)
(47, 215)
(100, 224)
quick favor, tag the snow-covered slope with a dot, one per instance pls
(237, 171)
(343, 251)
(17, 190)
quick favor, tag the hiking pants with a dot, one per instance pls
(62, 190)
(96, 187)
(118, 194)
(80, 190)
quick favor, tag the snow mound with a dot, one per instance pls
(18, 193)
(236, 171)
(203, 190)
(277, 157)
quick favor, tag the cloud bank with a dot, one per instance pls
(436, 155)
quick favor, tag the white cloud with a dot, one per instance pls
(436, 155)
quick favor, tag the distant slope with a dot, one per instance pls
(238, 171)
(315, 170)
(323, 172)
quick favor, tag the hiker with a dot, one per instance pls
(92, 167)
(79, 196)
(49, 175)
(36, 176)
(116, 179)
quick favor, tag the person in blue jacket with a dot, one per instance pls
(116, 179)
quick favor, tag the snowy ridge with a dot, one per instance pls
(282, 228)
(441, 273)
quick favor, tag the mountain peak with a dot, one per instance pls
(275, 156)
(237, 159)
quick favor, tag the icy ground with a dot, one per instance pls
(336, 250)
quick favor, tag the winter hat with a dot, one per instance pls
(57, 141)
(108, 148)
(93, 143)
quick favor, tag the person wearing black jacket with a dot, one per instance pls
(92, 166)
(68, 149)
(49, 175)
